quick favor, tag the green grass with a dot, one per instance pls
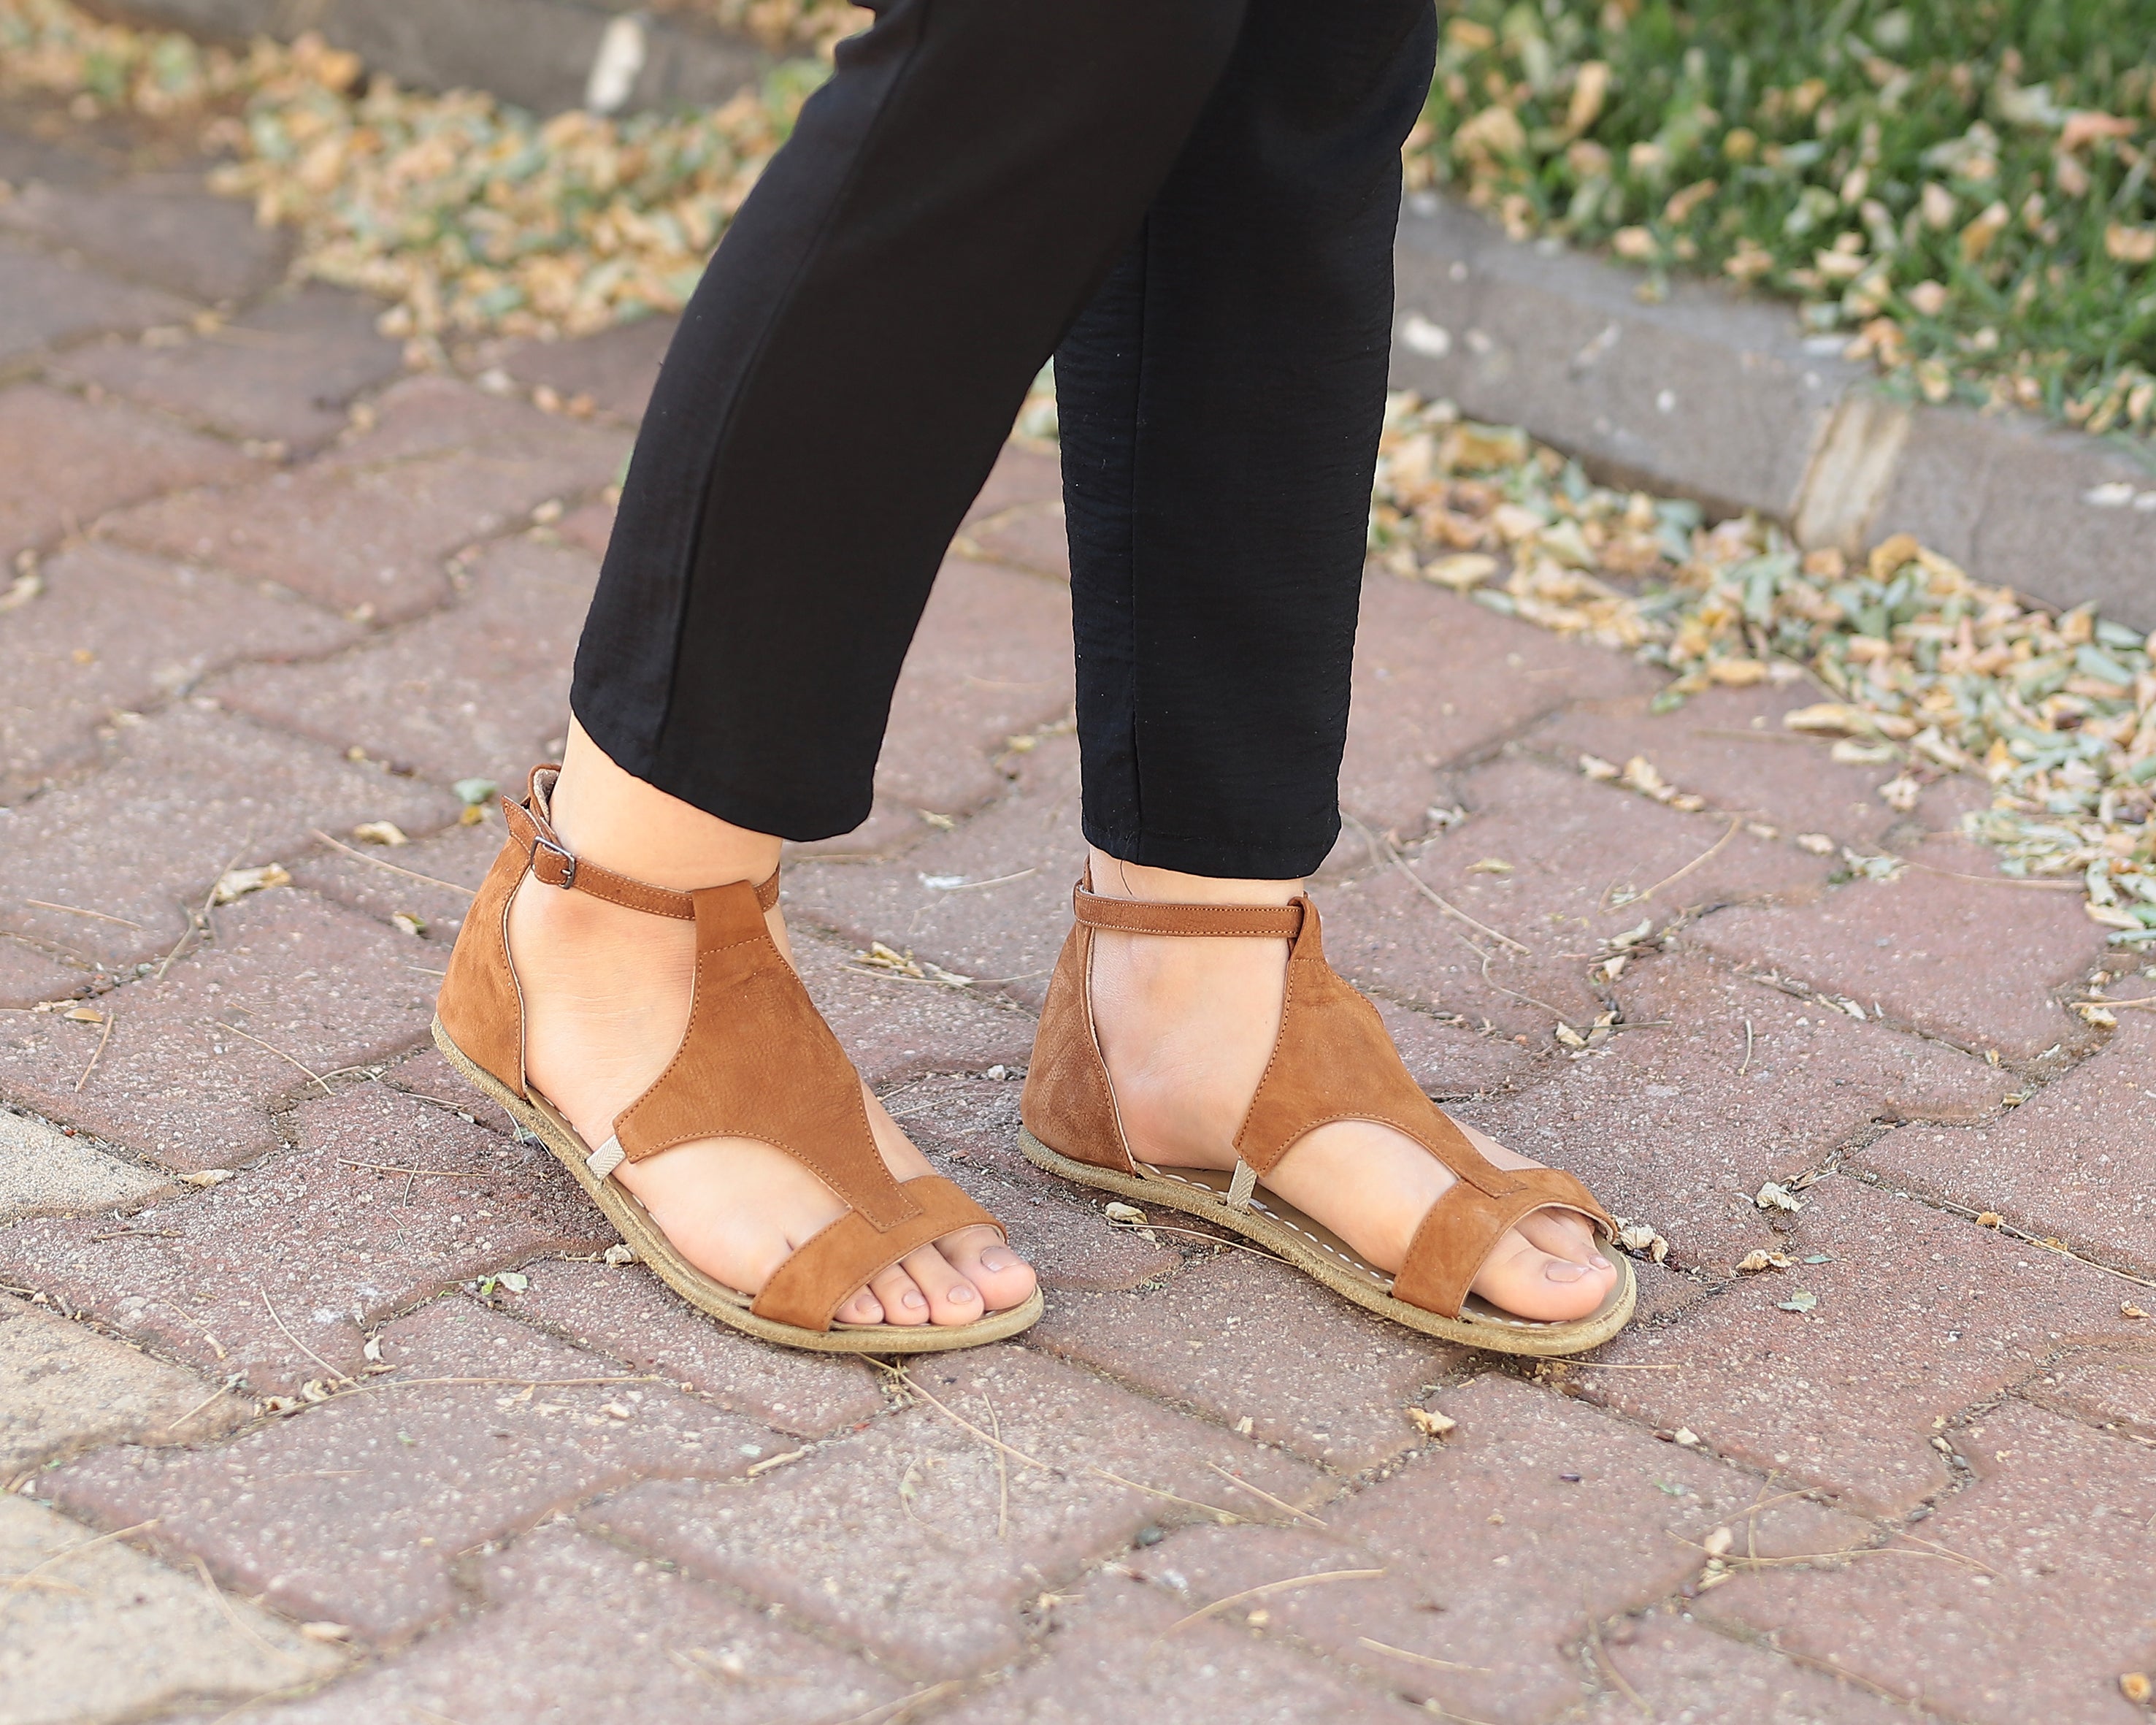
(1962, 188)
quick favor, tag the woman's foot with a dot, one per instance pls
(607, 995)
(1186, 1026)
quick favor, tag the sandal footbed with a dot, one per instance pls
(710, 1296)
(1315, 1249)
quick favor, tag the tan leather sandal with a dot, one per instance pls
(757, 1061)
(1331, 1060)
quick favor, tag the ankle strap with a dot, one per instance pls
(555, 865)
(1139, 916)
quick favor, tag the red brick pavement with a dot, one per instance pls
(1917, 1462)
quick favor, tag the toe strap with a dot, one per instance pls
(808, 1288)
(1461, 1229)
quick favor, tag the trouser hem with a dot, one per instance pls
(798, 821)
(1272, 858)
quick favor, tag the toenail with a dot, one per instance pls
(916, 1299)
(996, 1259)
(1559, 1271)
(963, 1291)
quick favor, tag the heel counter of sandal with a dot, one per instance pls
(478, 1005)
(1067, 1104)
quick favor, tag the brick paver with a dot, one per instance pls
(1903, 947)
(2029, 1589)
(71, 459)
(66, 1388)
(355, 1513)
(922, 1539)
(478, 691)
(443, 467)
(1242, 1339)
(29, 977)
(626, 1311)
(185, 796)
(193, 1061)
(277, 1273)
(574, 1628)
(64, 671)
(1730, 747)
(2116, 1391)
(1724, 1085)
(1558, 867)
(1495, 1548)
(2075, 1163)
(105, 1633)
(369, 1371)
(1438, 683)
(46, 302)
(1126, 1649)
(160, 228)
(285, 372)
(1919, 1315)
(1685, 1673)
(46, 1170)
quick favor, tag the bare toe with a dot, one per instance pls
(979, 1254)
(952, 1298)
(1530, 1283)
(901, 1297)
(862, 1308)
(1561, 1235)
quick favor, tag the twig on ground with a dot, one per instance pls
(1746, 1066)
(94, 915)
(1698, 862)
(408, 874)
(914, 1384)
(1384, 849)
(1003, 1476)
(1442, 1664)
(1604, 1663)
(335, 1375)
(434, 1173)
(1260, 1491)
(278, 1052)
(1268, 1588)
(237, 1621)
(104, 1037)
(28, 1577)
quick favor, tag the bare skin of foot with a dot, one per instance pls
(606, 998)
(1186, 1026)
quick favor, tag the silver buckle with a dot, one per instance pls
(540, 842)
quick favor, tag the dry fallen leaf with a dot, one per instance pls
(1431, 1423)
(208, 1177)
(1760, 1259)
(1124, 1212)
(380, 833)
(2136, 1687)
(2127, 1309)
(1774, 1197)
(1989, 1218)
(1716, 1544)
(1817, 843)
(236, 883)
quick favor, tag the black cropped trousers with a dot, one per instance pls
(1191, 204)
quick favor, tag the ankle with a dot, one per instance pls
(620, 822)
(1116, 878)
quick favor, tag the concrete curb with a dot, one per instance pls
(542, 54)
(1709, 394)
(1720, 397)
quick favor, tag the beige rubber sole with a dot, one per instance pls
(1318, 1251)
(714, 1299)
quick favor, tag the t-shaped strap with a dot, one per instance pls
(530, 824)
